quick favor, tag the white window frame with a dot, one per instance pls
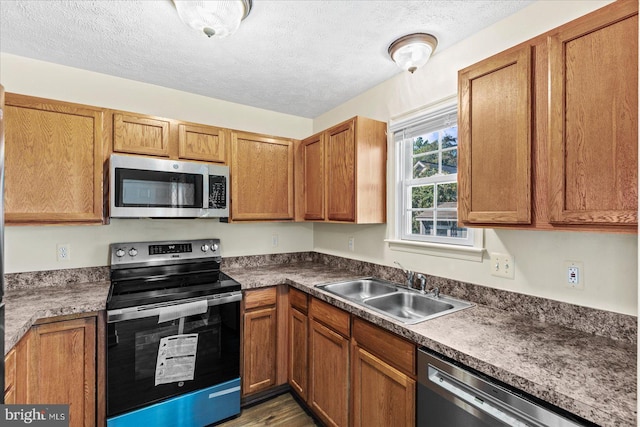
(465, 248)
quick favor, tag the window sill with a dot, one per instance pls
(468, 253)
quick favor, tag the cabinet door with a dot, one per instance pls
(298, 338)
(53, 161)
(261, 177)
(593, 126)
(61, 367)
(259, 371)
(341, 184)
(314, 177)
(494, 168)
(203, 143)
(329, 375)
(382, 395)
(140, 135)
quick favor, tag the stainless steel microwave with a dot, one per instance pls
(144, 187)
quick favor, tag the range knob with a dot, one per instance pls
(133, 252)
(204, 248)
(120, 253)
(214, 247)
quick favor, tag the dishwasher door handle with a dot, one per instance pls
(472, 397)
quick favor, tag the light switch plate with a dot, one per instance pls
(502, 265)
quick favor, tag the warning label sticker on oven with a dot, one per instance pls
(176, 358)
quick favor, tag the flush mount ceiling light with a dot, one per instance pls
(216, 18)
(412, 51)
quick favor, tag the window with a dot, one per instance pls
(427, 187)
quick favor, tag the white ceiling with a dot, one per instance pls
(291, 56)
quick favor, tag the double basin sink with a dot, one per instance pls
(403, 304)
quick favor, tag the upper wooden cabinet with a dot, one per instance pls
(140, 135)
(54, 159)
(154, 136)
(495, 125)
(204, 143)
(345, 173)
(261, 177)
(314, 179)
(549, 129)
(593, 121)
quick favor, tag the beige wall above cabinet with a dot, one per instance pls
(343, 173)
(261, 177)
(154, 136)
(549, 129)
(54, 155)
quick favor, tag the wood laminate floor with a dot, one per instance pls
(282, 410)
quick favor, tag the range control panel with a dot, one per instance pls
(162, 252)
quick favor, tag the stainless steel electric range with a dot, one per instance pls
(173, 334)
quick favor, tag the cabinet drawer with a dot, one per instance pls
(332, 317)
(393, 349)
(259, 298)
(298, 299)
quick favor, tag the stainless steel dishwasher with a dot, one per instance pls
(451, 395)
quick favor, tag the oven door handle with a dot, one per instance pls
(124, 314)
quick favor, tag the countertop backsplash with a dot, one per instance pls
(594, 321)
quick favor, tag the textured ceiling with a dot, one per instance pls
(296, 57)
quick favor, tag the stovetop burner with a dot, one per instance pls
(146, 273)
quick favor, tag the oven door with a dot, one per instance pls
(159, 352)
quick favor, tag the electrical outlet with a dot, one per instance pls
(351, 243)
(63, 251)
(274, 240)
(574, 274)
(502, 265)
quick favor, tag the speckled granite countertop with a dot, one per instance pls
(591, 376)
(23, 307)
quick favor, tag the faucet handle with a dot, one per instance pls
(422, 280)
(405, 271)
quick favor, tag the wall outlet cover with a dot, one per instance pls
(573, 274)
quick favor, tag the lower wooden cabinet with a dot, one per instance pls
(329, 363)
(298, 342)
(264, 345)
(348, 371)
(10, 378)
(259, 345)
(382, 395)
(57, 363)
(383, 372)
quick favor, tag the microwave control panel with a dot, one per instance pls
(217, 192)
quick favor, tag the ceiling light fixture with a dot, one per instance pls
(412, 51)
(216, 18)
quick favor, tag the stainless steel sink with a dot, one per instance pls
(407, 306)
(360, 289)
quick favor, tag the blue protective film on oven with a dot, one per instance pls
(196, 409)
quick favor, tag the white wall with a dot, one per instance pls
(610, 260)
(34, 248)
